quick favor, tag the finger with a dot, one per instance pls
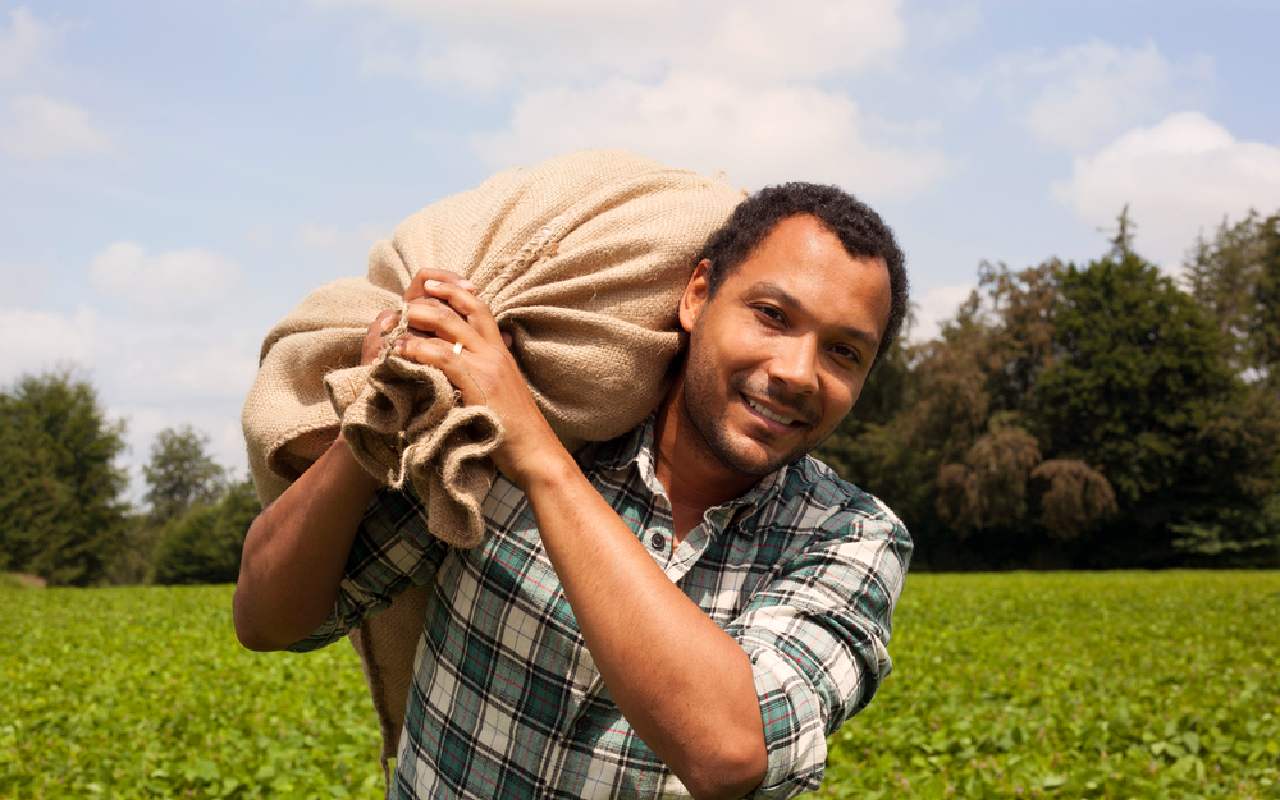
(439, 354)
(387, 320)
(374, 337)
(414, 290)
(468, 306)
(438, 318)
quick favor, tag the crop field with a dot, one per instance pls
(1150, 685)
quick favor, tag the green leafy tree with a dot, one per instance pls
(1141, 387)
(1264, 327)
(204, 544)
(35, 504)
(1235, 276)
(180, 473)
(61, 512)
(132, 562)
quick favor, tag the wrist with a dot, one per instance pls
(549, 468)
(350, 473)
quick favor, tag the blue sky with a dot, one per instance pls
(176, 175)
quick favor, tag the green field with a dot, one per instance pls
(1161, 685)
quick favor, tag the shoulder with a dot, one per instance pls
(839, 508)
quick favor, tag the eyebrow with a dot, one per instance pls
(787, 299)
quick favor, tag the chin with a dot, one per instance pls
(745, 455)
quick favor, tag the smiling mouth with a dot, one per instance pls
(772, 416)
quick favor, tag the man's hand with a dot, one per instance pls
(444, 313)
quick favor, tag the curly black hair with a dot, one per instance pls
(860, 229)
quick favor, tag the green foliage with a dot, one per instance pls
(990, 488)
(1236, 277)
(144, 692)
(204, 544)
(1136, 359)
(61, 516)
(1141, 388)
(1100, 685)
(133, 562)
(180, 473)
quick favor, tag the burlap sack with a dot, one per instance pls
(582, 260)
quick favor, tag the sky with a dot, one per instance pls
(174, 177)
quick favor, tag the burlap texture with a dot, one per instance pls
(582, 259)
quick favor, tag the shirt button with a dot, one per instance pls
(658, 541)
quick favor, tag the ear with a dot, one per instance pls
(696, 294)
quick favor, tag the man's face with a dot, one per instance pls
(779, 355)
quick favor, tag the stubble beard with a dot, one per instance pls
(698, 391)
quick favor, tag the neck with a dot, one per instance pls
(692, 474)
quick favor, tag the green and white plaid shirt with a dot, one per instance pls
(803, 571)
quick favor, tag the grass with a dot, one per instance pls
(1160, 685)
(144, 692)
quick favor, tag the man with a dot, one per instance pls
(692, 607)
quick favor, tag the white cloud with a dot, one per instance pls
(44, 127)
(1179, 177)
(756, 134)
(798, 40)
(705, 85)
(182, 363)
(166, 373)
(33, 341)
(154, 373)
(176, 280)
(489, 43)
(22, 43)
(936, 306)
(1078, 97)
(470, 66)
(939, 26)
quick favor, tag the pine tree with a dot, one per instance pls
(61, 512)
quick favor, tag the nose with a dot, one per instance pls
(794, 366)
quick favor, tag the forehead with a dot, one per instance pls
(805, 259)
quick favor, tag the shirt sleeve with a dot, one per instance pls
(392, 551)
(816, 636)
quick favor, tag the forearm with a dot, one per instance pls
(295, 552)
(685, 685)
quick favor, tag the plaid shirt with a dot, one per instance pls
(803, 571)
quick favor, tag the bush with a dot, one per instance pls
(204, 544)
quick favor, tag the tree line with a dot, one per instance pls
(1069, 416)
(1089, 415)
(63, 514)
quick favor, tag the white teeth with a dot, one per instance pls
(764, 412)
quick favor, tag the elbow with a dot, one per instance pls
(247, 602)
(251, 640)
(255, 644)
(733, 773)
(250, 636)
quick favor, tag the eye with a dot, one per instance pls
(846, 353)
(772, 313)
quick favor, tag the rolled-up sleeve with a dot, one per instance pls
(816, 636)
(392, 551)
